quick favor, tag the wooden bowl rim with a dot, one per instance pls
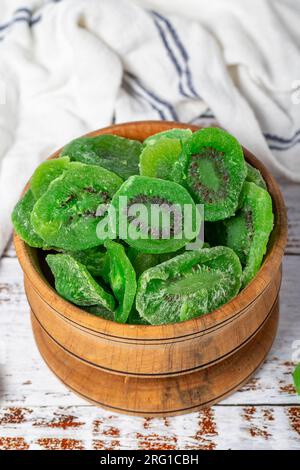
(214, 319)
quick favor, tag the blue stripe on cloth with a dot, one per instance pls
(206, 115)
(30, 21)
(282, 140)
(283, 149)
(172, 57)
(182, 50)
(136, 93)
(24, 10)
(153, 97)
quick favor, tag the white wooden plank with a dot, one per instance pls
(80, 427)
(26, 381)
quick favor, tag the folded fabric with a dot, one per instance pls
(71, 66)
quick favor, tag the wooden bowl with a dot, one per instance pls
(158, 370)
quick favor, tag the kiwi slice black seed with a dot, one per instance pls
(213, 169)
(165, 235)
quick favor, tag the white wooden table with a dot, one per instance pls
(38, 412)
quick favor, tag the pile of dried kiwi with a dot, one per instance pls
(151, 280)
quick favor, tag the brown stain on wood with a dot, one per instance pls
(156, 442)
(147, 423)
(251, 385)
(60, 422)
(96, 425)
(51, 443)
(294, 418)
(250, 413)
(288, 389)
(13, 443)
(112, 431)
(106, 445)
(268, 414)
(15, 415)
(288, 364)
(207, 429)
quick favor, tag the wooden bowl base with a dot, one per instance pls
(164, 396)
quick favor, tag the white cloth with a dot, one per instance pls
(71, 66)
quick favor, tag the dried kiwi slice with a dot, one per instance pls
(122, 279)
(158, 159)
(66, 215)
(176, 133)
(112, 152)
(74, 283)
(213, 169)
(145, 232)
(21, 219)
(45, 173)
(92, 258)
(188, 285)
(254, 176)
(248, 232)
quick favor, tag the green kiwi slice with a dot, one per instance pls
(109, 151)
(66, 215)
(92, 258)
(74, 283)
(176, 133)
(165, 234)
(21, 219)
(45, 173)
(248, 232)
(255, 176)
(157, 160)
(213, 169)
(188, 285)
(122, 279)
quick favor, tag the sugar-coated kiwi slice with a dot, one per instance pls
(21, 219)
(74, 283)
(248, 232)
(158, 159)
(45, 173)
(213, 169)
(122, 279)
(188, 285)
(255, 176)
(66, 215)
(92, 258)
(176, 133)
(112, 152)
(177, 221)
